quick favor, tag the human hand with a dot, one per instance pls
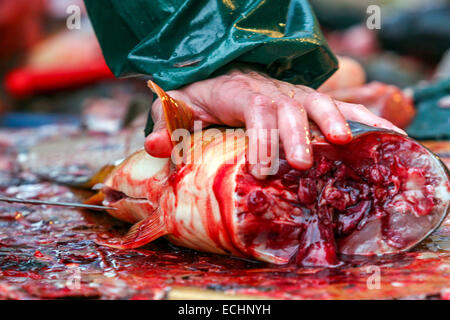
(257, 101)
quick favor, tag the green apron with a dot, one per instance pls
(178, 42)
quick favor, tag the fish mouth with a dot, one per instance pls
(127, 208)
(113, 196)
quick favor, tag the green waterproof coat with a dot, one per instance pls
(178, 42)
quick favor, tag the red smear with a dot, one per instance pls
(67, 238)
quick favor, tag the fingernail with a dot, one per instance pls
(256, 171)
(301, 157)
(341, 133)
(403, 132)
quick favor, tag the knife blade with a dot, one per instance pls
(56, 203)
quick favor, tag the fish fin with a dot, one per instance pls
(141, 233)
(96, 199)
(176, 113)
(99, 177)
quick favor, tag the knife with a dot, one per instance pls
(56, 203)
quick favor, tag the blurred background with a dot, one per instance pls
(52, 69)
(53, 73)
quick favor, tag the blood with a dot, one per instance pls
(312, 212)
(152, 272)
(349, 220)
(307, 191)
(257, 202)
(42, 259)
(219, 186)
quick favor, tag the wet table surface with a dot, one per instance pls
(51, 252)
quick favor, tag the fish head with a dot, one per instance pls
(134, 187)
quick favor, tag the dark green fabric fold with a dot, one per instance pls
(181, 41)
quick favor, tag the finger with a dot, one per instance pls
(158, 143)
(231, 101)
(292, 123)
(261, 123)
(357, 112)
(294, 132)
(324, 112)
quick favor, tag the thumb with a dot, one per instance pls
(158, 144)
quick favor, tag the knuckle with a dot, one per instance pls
(232, 83)
(312, 96)
(304, 88)
(286, 102)
(234, 73)
(260, 100)
(256, 75)
(238, 77)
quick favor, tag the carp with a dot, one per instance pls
(382, 193)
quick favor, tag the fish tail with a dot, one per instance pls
(141, 233)
(176, 113)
